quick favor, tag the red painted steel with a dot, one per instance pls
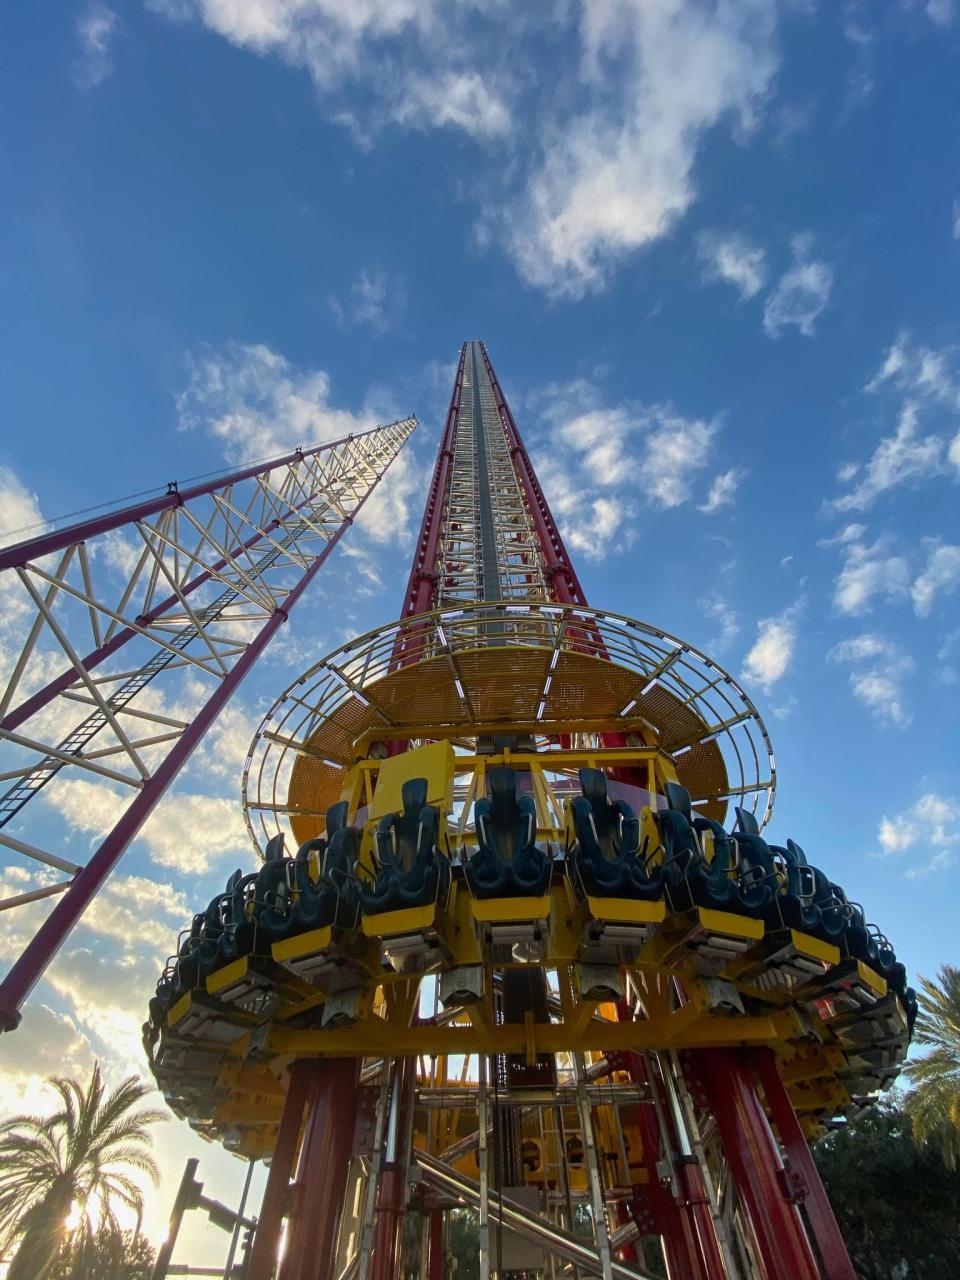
(321, 1183)
(30, 706)
(423, 573)
(45, 944)
(559, 567)
(388, 1237)
(751, 1152)
(816, 1205)
(58, 540)
(436, 1267)
(266, 1243)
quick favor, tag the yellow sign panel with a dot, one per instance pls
(433, 762)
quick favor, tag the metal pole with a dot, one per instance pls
(322, 1171)
(43, 947)
(756, 1166)
(390, 1206)
(819, 1212)
(690, 1174)
(186, 1194)
(266, 1243)
(238, 1227)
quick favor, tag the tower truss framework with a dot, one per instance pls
(190, 585)
(517, 964)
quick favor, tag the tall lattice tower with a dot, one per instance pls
(502, 952)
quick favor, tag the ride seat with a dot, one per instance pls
(607, 855)
(692, 879)
(411, 872)
(508, 862)
(317, 887)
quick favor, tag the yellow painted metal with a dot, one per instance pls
(433, 762)
(872, 979)
(826, 952)
(728, 923)
(627, 910)
(303, 944)
(388, 924)
(503, 910)
(228, 975)
(178, 1011)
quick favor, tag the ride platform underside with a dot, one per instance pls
(517, 943)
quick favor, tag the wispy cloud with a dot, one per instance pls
(801, 293)
(618, 175)
(601, 464)
(373, 300)
(772, 652)
(869, 570)
(97, 28)
(880, 668)
(732, 259)
(940, 576)
(257, 403)
(930, 828)
(723, 490)
(728, 624)
(923, 385)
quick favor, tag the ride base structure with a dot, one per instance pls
(517, 942)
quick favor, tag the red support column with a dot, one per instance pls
(819, 1212)
(263, 1256)
(388, 1237)
(785, 1252)
(436, 1245)
(318, 1193)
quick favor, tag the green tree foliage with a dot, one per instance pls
(934, 1102)
(85, 1156)
(897, 1204)
(106, 1257)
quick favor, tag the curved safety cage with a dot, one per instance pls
(548, 670)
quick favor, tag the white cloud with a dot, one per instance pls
(374, 300)
(919, 370)
(619, 174)
(868, 571)
(731, 258)
(601, 462)
(772, 651)
(258, 404)
(187, 832)
(932, 823)
(723, 490)
(956, 220)
(593, 162)
(801, 293)
(19, 509)
(676, 448)
(879, 669)
(903, 458)
(941, 575)
(465, 99)
(46, 1043)
(726, 618)
(407, 55)
(97, 27)
(940, 12)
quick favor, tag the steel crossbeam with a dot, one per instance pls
(193, 582)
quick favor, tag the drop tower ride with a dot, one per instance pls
(516, 941)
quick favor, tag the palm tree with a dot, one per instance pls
(934, 1102)
(80, 1159)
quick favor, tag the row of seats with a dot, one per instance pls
(695, 863)
(769, 882)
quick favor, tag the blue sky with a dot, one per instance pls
(713, 249)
